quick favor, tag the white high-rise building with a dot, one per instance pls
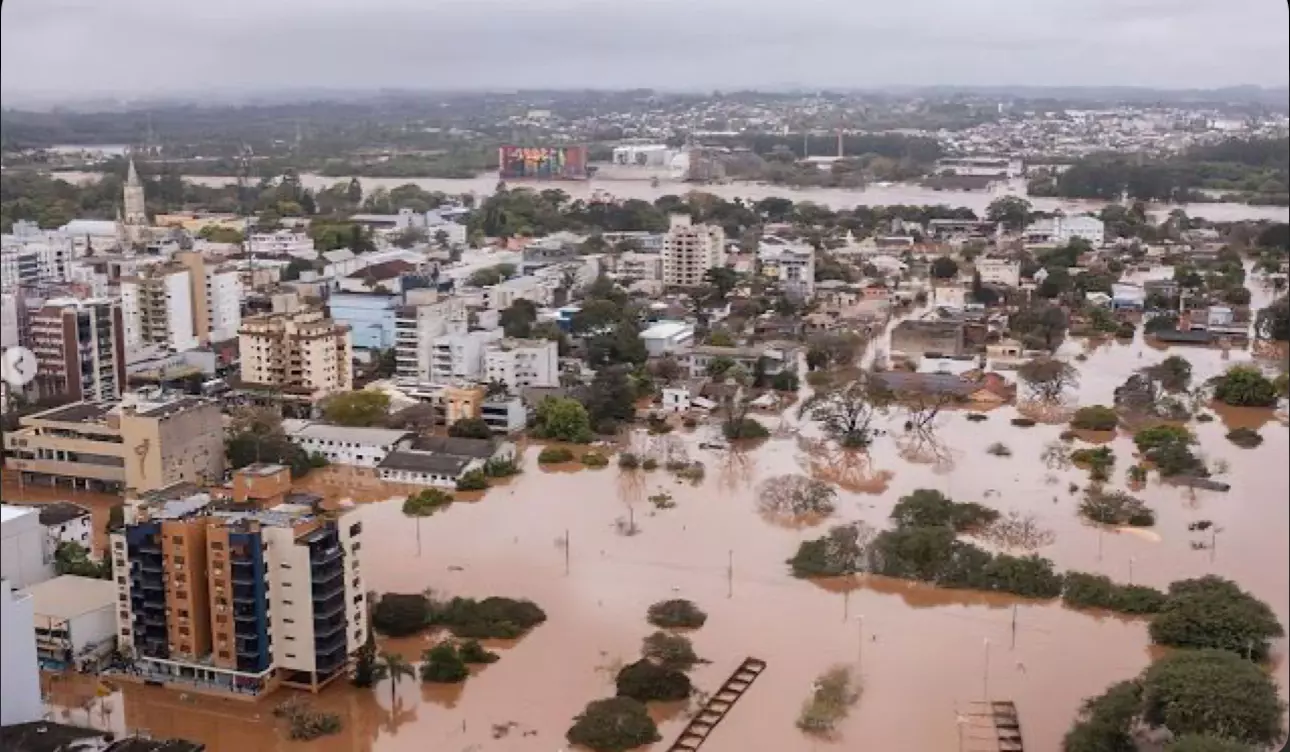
(416, 327)
(22, 547)
(690, 250)
(157, 308)
(459, 355)
(523, 363)
(20, 679)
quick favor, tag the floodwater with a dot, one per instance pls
(837, 198)
(923, 653)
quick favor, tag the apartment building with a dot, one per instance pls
(23, 558)
(791, 266)
(1061, 230)
(417, 325)
(80, 349)
(216, 293)
(301, 353)
(690, 250)
(459, 355)
(20, 679)
(136, 444)
(634, 266)
(158, 308)
(522, 362)
(236, 597)
(30, 255)
(281, 243)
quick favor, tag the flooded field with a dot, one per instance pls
(922, 652)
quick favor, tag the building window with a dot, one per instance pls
(181, 595)
(221, 619)
(355, 529)
(224, 654)
(183, 614)
(178, 540)
(288, 621)
(184, 631)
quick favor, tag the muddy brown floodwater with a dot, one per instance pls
(921, 651)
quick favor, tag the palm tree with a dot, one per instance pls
(394, 667)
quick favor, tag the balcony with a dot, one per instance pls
(326, 609)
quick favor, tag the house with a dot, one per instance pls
(676, 399)
(1219, 322)
(341, 445)
(696, 359)
(440, 461)
(999, 271)
(929, 383)
(666, 337)
(386, 276)
(916, 337)
(65, 522)
(1160, 287)
(1127, 297)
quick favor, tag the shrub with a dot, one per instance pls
(615, 724)
(785, 381)
(1205, 418)
(688, 422)
(841, 552)
(1246, 438)
(658, 426)
(472, 652)
(555, 455)
(1023, 422)
(442, 665)
(562, 419)
(1095, 418)
(306, 724)
(1125, 330)
(646, 681)
(401, 614)
(426, 502)
(501, 467)
(470, 428)
(649, 463)
(1169, 448)
(1137, 474)
(475, 480)
(999, 449)
(831, 699)
(1207, 743)
(929, 508)
(1028, 576)
(490, 618)
(1115, 508)
(1245, 386)
(1083, 590)
(1098, 460)
(670, 651)
(594, 459)
(1200, 691)
(676, 614)
(629, 461)
(1212, 612)
(744, 428)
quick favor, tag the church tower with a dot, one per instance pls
(136, 211)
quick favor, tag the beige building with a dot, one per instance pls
(690, 250)
(80, 349)
(136, 444)
(300, 353)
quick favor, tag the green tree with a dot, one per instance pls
(442, 664)
(517, 320)
(670, 651)
(72, 558)
(394, 667)
(944, 267)
(365, 663)
(1211, 612)
(647, 681)
(1213, 691)
(470, 428)
(1012, 212)
(563, 419)
(615, 724)
(357, 409)
(1245, 386)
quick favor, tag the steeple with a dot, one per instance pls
(131, 175)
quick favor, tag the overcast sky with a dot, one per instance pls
(83, 48)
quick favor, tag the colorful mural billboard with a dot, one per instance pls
(542, 162)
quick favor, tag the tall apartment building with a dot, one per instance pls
(238, 596)
(690, 250)
(459, 355)
(216, 293)
(522, 363)
(30, 255)
(416, 327)
(158, 308)
(136, 444)
(791, 266)
(301, 353)
(80, 349)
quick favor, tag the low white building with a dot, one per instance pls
(440, 461)
(75, 622)
(1060, 231)
(697, 358)
(522, 362)
(504, 415)
(65, 522)
(20, 678)
(22, 547)
(634, 266)
(999, 271)
(282, 243)
(341, 445)
(667, 337)
(501, 296)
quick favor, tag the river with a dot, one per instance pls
(921, 651)
(837, 198)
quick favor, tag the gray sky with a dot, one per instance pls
(82, 48)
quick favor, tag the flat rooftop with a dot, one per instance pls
(69, 596)
(9, 512)
(80, 412)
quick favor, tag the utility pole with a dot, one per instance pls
(730, 573)
(566, 551)
(1014, 626)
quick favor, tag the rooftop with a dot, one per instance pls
(9, 512)
(425, 462)
(42, 736)
(58, 512)
(477, 448)
(667, 330)
(79, 412)
(69, 596)
(328, 432)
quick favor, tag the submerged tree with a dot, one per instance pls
(795, 496)
(846, 413)
(844, 550)
(1048, 379)
(831, 699)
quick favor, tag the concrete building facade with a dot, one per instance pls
(23, 561)
(690, 250)
(75, 622)
(80, 349)
(158, 308)
(20, 679)
(300, 352)
(522, 362)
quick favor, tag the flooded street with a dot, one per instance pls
(922, 652)
(836, 198)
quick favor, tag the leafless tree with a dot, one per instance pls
(795, 496)
(1048, 379)
(846, 412)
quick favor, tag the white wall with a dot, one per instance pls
(20, 679)
(79, 530)
(291, 600)
(355, 584)
(223, 303)
(519, 365)
(130, 315)
(22, 547)
(179, 307)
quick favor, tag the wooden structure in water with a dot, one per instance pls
(990, 727)
(714, 710)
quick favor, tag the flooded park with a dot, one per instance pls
(592, 549)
